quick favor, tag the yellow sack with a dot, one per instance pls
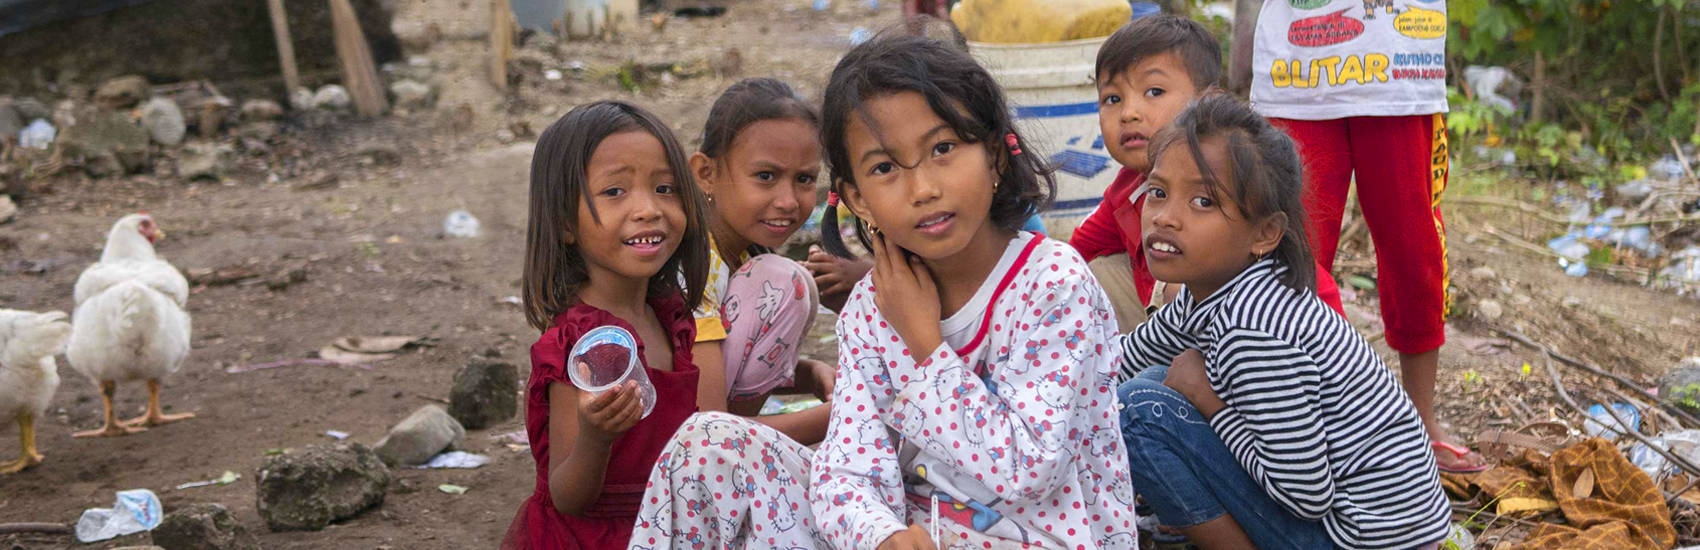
(1036, 21)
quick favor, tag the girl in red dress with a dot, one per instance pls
(615, 231)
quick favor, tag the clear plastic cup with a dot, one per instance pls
(606, 357)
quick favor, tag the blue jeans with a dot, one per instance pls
(1189, 476)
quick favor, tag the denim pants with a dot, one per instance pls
(1189, 476)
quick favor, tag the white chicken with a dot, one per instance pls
(130, 323)
(28, 374)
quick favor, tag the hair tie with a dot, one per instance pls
(1014, 145)
(832, 199)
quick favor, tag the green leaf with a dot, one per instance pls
(1360, 282)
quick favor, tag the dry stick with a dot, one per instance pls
(49, 528)
(1622, 427)
(1577, 363)
(285, 48)
(1683, 159)
(1466, 509)
(1654, 409)
(358, 73)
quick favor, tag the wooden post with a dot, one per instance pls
(501, 42)
(359, 74)
(285, 48)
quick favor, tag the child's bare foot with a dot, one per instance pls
(1457, 459)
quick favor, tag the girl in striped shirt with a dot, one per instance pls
(1255, 415)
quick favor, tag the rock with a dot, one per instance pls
(123, 92)
(10, 121)
(308, 490)
(412, 94)
(164, 121)
(8, 209)
(282, 279)
(1571, 301)
(505, 136)
(261, 109)
(1681, 386)
(263, 130)
(30, 109)
(203, 527)
(95, 135)
(382, 154)
(1483, 273)
(302, 99)
(205, 161)
(422, 435)
(332, 97)
(484, 393)
(1489, 310)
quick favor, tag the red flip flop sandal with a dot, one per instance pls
(1460, 452)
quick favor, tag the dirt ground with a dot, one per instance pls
(377, 263)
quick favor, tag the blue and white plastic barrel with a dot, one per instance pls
(1056, 110)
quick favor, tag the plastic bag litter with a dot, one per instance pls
(456, 459)
(39, 135)
(134, 511)
(1487, 81)
(460, 224)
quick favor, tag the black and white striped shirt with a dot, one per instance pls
(1313, 414)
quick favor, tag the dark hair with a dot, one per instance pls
(747, 102)
(1154, 35)
(554, 270)
(959, 91)
(1265, 176)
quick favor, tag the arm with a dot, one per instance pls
(857, 495)
(1157, 341)
(1243, 44)
(711, 375)
(586, 427)
(1271, 425)
(1098, 235)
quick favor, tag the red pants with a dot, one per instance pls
(1401, 166)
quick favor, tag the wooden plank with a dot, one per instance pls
(285, 47)
(501, 42)
(359, 74)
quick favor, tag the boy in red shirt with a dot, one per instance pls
(1147, 73)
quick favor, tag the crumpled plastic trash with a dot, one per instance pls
(460, 224)
(1574, 254)
(1601, 424)
(1666, 168)
(1487, 81)
(134, 511)
(456, 459)
(38, 135)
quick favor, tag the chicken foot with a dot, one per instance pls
(112, 428)
(28, 455)
(155, 416)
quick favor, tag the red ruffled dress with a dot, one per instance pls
(608, 523)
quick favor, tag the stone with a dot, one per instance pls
(212, 115)
(261, 109)
(10, 121)
(332, 97)
(382, 154)
(203, 527)
(1483, 273)
(95, 135)
(505, 136)
(164, 121)
(301, 99)
(309, 489)
(1571, 301)
(485, 393)
(8, 209)
(1681, 386)
(30, 108)
(422, 435)
(263, 130)
(205, 161)
(412, 94)
(1489, 310)
(123, 92)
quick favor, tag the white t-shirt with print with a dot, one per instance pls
(1328, 59)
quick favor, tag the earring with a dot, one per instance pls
(875, 229)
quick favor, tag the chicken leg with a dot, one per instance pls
(112, 428)
(155, 416)
(28, 456)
